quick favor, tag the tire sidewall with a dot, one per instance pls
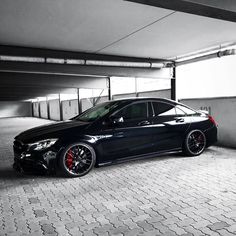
(186, 147)
(62, 156)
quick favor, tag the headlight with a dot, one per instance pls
(41, 145)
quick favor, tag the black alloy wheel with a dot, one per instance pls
(77, 159)
(195, 143)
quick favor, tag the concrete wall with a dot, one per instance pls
(125, 95)
(166, 93)
(87, 103)
(69, 109)
(54, 109)
(224, 112)
(35, 109)
(13, 109)
(43, 109)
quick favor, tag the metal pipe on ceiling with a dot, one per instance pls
(228, 52)
(205, 51)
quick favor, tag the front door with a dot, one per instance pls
(131, 133)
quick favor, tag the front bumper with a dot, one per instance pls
(34, 162)
(24, 164)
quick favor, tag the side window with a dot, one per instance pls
(179, 112)
(135, 111)
(186, 110)
(163, 109)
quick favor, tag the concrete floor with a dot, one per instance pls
(171, 195)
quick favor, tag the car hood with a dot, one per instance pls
(55, 130)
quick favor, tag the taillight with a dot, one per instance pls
(212, 120)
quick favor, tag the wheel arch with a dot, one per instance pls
(89, 140)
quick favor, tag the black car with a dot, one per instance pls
(112, 132)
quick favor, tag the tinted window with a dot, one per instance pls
(97, 112)
(135, 111)
(163, 109)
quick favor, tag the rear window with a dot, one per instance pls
(186, 110)
(163, 109)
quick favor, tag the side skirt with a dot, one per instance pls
(140, 157)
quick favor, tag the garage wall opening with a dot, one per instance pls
(15, 109)
(123, 87)
(211, 85)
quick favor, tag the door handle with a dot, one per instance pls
(145, 122)
(179, 120)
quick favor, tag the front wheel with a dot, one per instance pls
(77, 159)
(194, 143)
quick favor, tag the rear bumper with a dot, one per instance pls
(211, 136)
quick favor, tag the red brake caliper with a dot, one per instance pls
(200, 139)
(69, 159)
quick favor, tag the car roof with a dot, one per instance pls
(133, 99)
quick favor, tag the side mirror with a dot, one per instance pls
(113, 121)
(116, 120)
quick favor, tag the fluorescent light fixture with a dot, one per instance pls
(75, 61)
(157, 65)
(125, 64)
(22, 59)
(130, 64)
(117, 63)
(55, 60)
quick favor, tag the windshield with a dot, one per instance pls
(96, 112)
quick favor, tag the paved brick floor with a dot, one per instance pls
(171, 195)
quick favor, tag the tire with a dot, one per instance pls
(77, 159)
(194, 143)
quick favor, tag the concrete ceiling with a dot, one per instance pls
(161, 30)
(113, 27)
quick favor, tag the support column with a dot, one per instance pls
(79, 104)
(136, 86)
(173, 84)
(39, 109)
(60, 107)
(32, 108)
(109, 88)
(48, 108)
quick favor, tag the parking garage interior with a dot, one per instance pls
(60, 58)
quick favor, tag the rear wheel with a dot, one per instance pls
(77, 159)
(195, 143)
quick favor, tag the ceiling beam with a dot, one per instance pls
(202, 8)
(50, 81)
(49, 53)
(78, 70)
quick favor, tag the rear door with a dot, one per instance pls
(170, 124)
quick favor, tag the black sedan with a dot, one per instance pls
(114, 131)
